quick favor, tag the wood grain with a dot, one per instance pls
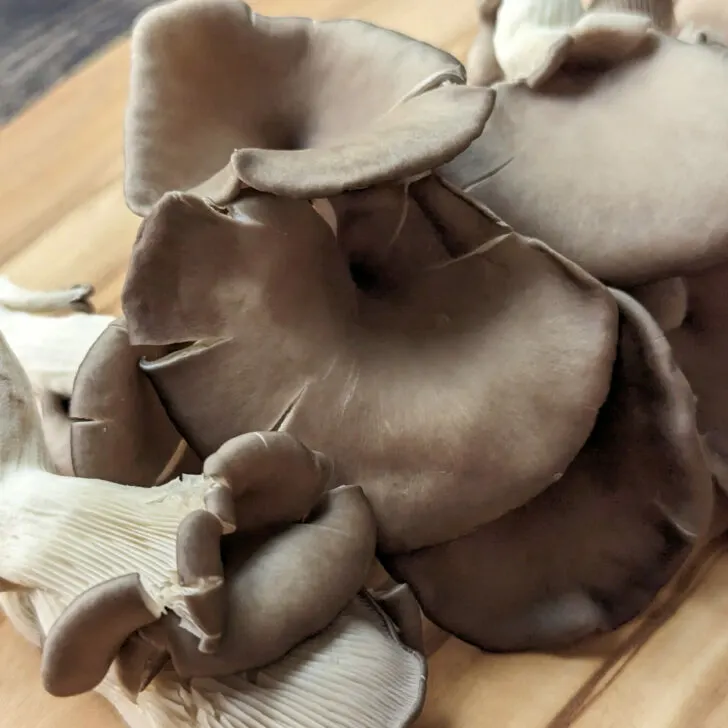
(63, 220)
(42, 41)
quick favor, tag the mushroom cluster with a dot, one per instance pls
(467, 328)
(232, 596)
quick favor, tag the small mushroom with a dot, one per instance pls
(121, 555)
(592, 551)
(282, 588)
(354, 673)
(401, 388)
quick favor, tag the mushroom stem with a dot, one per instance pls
(68, 534)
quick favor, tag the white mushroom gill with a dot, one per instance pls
(355, 673)
(66, 535)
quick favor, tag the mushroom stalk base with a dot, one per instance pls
(69, 534)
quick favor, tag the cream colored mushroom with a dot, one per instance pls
(354, 673)
(106, 549)
(50, 348)
(51, 332)
(529, 38)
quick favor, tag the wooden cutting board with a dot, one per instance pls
(63, 220)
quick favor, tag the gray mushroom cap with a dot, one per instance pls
(592, 551)
(284, 587)
(286, 339)
(119, 430)
(631, 156)
(223, 97)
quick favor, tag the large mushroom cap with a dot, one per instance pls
(624, 170)
(210, 77)
(451, 397)
(593, 550)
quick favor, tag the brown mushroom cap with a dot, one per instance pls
(632, 157)
(451, 398)
(210, 77)
(284, 587)
(593, 550)
(413, 138)
(85, 639)
(274, 479)
(120, 430)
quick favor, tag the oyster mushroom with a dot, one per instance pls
(281, 588)
(355, 672)
(286, 340)
(529, 38)
(317, 329)
(358, 657)
(120, 430)
(549, 573)
(637, 223)
(259, 479)
(356, 103)
(119, 557)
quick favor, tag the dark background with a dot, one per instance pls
(41, 41)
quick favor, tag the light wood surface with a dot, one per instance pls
(63, 220)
